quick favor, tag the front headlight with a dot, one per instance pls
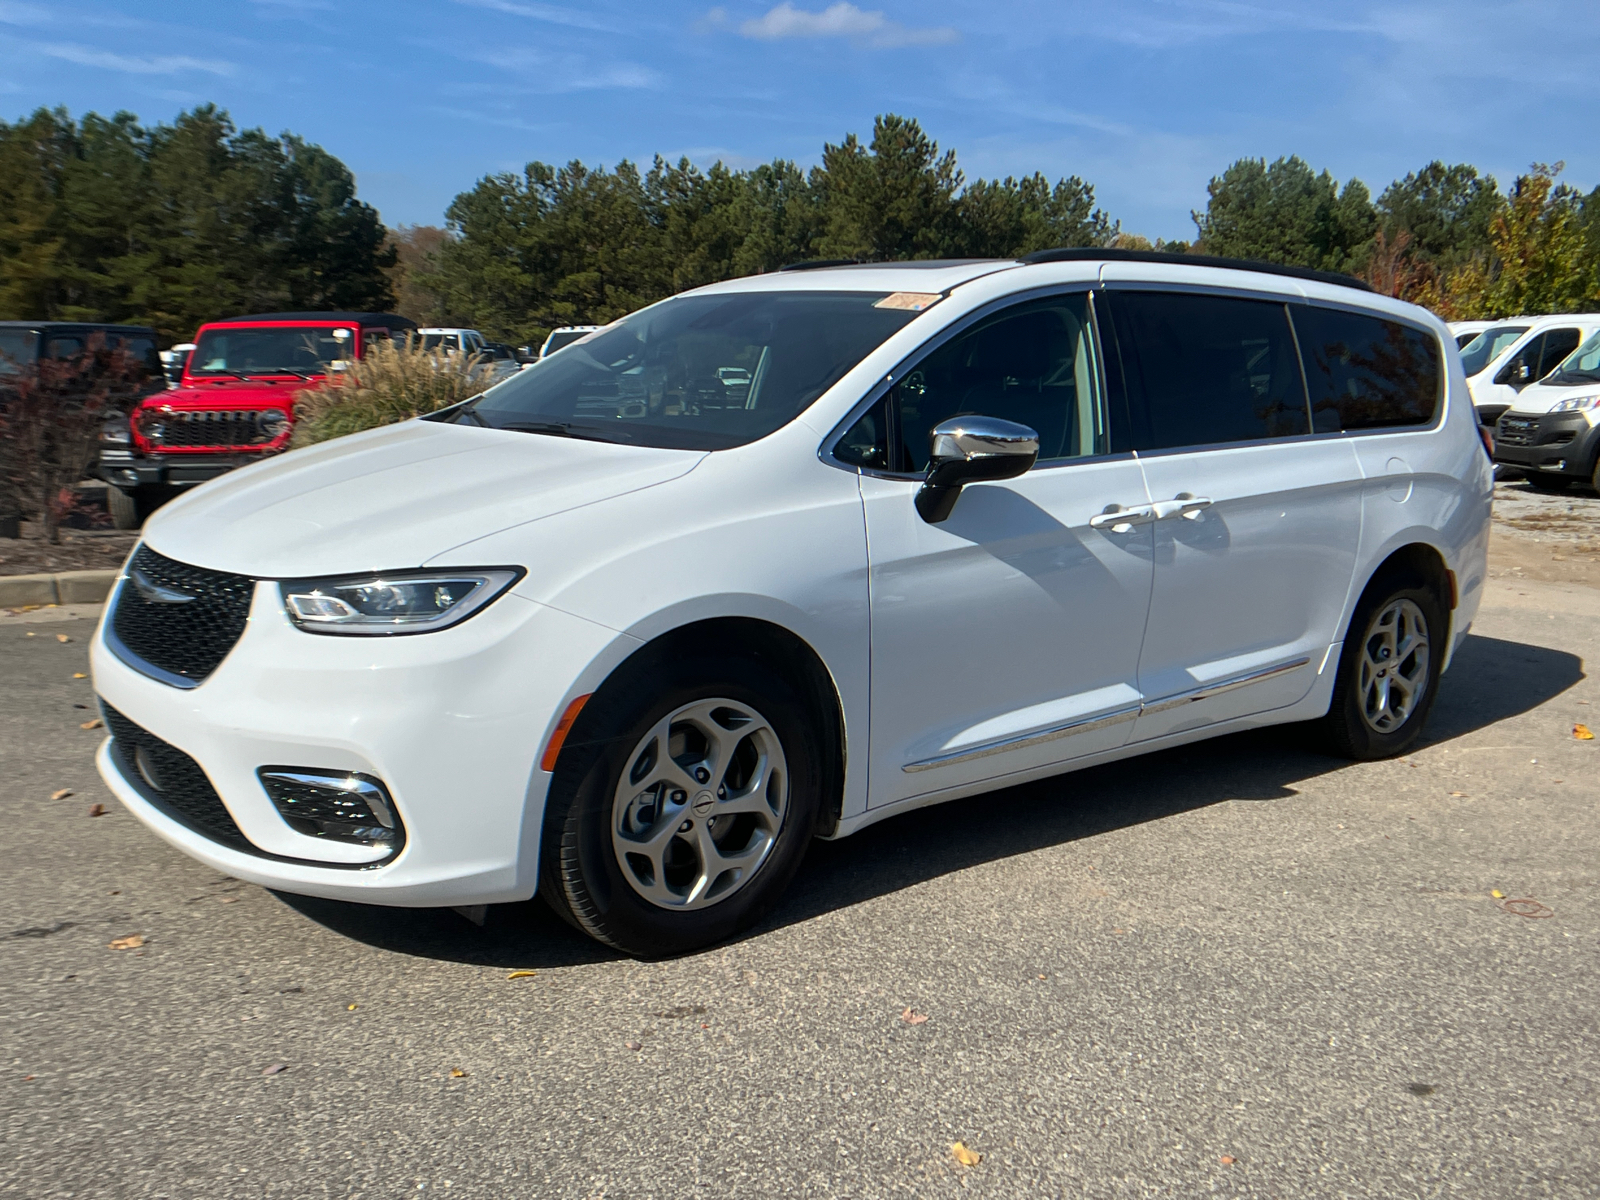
(401, 602)
(272, 423)
(1576, 404)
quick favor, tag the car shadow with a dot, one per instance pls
(1491, 680)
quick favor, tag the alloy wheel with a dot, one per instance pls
(700, 804)
(1394, 665)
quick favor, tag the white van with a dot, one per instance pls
(1551, 432)
(622, 633)
(1510, 355)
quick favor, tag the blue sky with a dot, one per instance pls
(1146, 99)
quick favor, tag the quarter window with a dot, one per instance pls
(1558, 343)
(1203, 370)
(1033, 363)
(1365, 372)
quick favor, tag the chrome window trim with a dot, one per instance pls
(877, 391)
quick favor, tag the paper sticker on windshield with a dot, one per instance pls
(912, 301)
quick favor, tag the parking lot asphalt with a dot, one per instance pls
(1239, 968)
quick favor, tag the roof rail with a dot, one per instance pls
(1108, 254)
(815, 264)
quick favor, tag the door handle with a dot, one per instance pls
(1180, 506)
(1120, 520)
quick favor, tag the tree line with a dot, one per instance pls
(173, 224)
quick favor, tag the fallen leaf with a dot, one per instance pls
(61, 795)
(911, 1017)
(228, 899)
(94, 724)
(457, 1073)
(79, 675)
(1581, 732)
(1458, 793)
(1042, 977)
(349, 1008)
(1497, 894)
(61, 637)
(275, 1069)
(634, 1045)
(1227, 1160)
(97, 810)
(522, 975)
(132, 942)
(965, 1156)
(26, 1078)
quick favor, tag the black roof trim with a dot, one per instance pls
(99, 325)
(1091, 254)
(816, 264)
(359, 318)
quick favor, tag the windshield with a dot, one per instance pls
(17, 348)
(696, 372)
(246, 352)
(1486, 347)
(563, 337)
(1581, 366)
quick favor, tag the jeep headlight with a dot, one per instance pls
(397, 602)
(272, 423)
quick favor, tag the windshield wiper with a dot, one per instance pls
(552, 429)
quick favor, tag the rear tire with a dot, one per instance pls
(642, 849)
(1388, 669)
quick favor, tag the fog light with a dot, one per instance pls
(342, 805)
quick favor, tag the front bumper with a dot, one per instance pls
(130, 469)
(452, 722)
(1547, 443)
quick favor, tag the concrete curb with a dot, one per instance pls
(67, 587)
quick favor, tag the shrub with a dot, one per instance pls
(393, 382)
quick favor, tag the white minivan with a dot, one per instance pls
(626, 636)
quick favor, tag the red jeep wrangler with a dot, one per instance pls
(235, 404)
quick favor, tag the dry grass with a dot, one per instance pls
(392, 383)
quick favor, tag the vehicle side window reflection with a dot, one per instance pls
(1365, 372)
(1032, 363)
(1203, 370)
(1558, 343)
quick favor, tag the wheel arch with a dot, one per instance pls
(1417, 558)
(776, 647)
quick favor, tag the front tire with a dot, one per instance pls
(1388, 670)
(685, 809)
(129, 509)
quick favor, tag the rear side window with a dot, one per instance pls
(1366, 373)
(1201, 370)
(1558, 343)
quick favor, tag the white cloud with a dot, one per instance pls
(547, 73)
(840, 20)
(165, 64)
(22, 14)
(541, 12)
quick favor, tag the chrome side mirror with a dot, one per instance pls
(972, 450)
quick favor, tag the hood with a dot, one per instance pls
(1542, 397)
(395, 497)
(231, 394)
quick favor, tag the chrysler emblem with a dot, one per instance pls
(154, 592)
